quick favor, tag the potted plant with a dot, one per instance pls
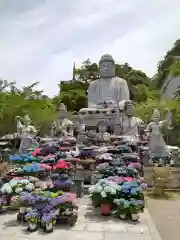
(95, 195)
(27, 202)
(122, 208)
(106, 202)
(105, 206)
(33, 219)
(141, 205)
(67, 208)
(134, 210)
(1, 204)
(48, 221)
(96, 199)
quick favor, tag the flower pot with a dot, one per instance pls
(48, 227)
(105, 209)
(122, 216)
(28, 209)
(8, 200)
(22, 210)
(95, 202)
(32, 227)
(134, 216)
(57, 211)
(20, 217)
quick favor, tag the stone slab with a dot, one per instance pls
(89, 225)
(128, 236)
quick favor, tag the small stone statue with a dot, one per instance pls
(156, 141)
(53, 129)
(129, 124)
(103, 135)
(81, 134)
(27, 133)
(108, 87)
(63, 126)
(67, 127)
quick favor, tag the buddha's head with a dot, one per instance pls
(107, 66)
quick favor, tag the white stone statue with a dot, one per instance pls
(67, 127)
(53, 129)
(103, 135)
(27, 133)
(128, 123)
(81, 134)
(108, 87)
(63, 126)
(156, 140)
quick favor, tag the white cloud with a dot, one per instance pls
(41, 39)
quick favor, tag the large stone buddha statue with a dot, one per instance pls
(108, 87)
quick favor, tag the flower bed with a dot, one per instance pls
(39, 186)
(120, 196)
(45, 209)
(118, 189)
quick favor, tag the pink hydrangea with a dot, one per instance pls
(46, 166)
(136, 165)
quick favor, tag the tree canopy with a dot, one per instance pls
(144, 91)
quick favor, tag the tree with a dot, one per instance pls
(165, 66)
(74, 93)
(15, 102)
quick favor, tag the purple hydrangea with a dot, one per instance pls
(48, 217)
(27, 198)
(32, 214)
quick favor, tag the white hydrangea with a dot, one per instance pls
(116, 201)
(113, 191)
(6, 188)
(115, 186)
(91, 189)
(110, 189)
(13, 183)
(30, 187)
(95, 189)
(103, 194)
(18, 190)
(102, 182)
(24, 181)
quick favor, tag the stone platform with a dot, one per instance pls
(90, 226)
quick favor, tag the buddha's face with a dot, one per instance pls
(107, 69)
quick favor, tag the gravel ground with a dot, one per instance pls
(166, 216)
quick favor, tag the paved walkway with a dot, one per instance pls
(165, 214)
(90, 226)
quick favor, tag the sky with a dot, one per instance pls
(40, 39)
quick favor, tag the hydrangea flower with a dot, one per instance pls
(95, 189)
(103, 194)
(109, 189)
